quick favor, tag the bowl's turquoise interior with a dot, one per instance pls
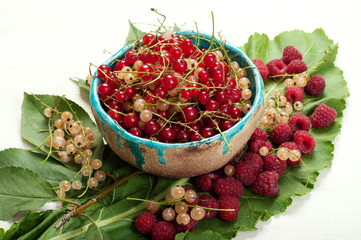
(134, 142)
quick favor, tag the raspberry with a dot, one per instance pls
(299, 121)
(228, 186)
(266, 184)
(192, 225)
(272, 163)
(205, 182)
(163, 230)
(256, 145)
(296, 66)
(208, 201)
(291, 146)
(323, 116)
(253, 159)
(315, 85)
(276, 67)
(247, 173)
(258, 134)
(228, 202)
(294, 94)
(263, 70)
(145, 222)
(281, 133)
(290, 53)
(305, 142)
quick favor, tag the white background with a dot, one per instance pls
(43, 43)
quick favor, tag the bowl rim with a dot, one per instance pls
(105, 118)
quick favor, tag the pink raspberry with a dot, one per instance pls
(247, 173)
(323, 116)
(253, 159)
(281, 133)
(258, 134)
(296, 66)
(228, 186)
(291, 146)
(263, 70)
(208, 201)
(294, 94)
(163, 230)
(315, 85)
(266, 184)
(299, 121)
(228, 202)
(276, 67)
(272, 163)
(305, 142)
(205, 182)
(145, 222)
(192, 225)
(290, 53)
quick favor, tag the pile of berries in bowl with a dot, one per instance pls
(177, 105)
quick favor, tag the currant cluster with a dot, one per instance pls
(170, 90)
(183, 209)
(73, 142)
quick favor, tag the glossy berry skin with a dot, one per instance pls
(186, 44)
(119, 66)
(166, 59)
(207, 132)
(104, 90)
(189, 114)
(167, 134)
(131, 57)
(103, 72)
(145, 72)
(180, 65)
(186, 93)
(182, 136)
(210, 60)
(203, 76)
(149, 39)
(151, 127)
(160, 92)
(129, 92)
(212, 105)
(150, 57)
(130, 120)
(203, 97)
(169, 82)
(120, 96)
(114, 115)
(225, 125)
(176, 52)
(136, 132)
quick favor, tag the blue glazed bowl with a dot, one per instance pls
(177, 160)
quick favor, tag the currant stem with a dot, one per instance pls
(79, 210)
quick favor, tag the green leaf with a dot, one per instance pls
(133, 34)
(51, 170)
(95, 233)
(82, 84)
(22, 189)
(33, 120)
(115, 214)
(29, 223)
(199, 235)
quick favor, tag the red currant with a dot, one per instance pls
(131, 56)
(167, 134)
(175, 51)
(182, 136)
(120, 96)
(169, 82)
(104, 90)
(136, 131)
(212, 105)
(180, 65)
(225, 125)
(103, 72)
(189, 114)
(203, 76)
(145, 72)
(207, 132)
(149, 39)
(210, 59)
(130, 120)
(114, 115)
(119, 66)
(160, 92)
(151, 127)
(186, 44)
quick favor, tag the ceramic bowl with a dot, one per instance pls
(178, 160)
